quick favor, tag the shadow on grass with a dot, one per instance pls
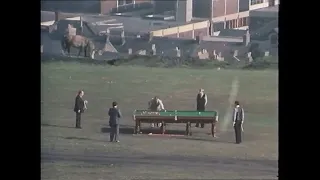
(211, 139)
(58, 126)
(130, 130)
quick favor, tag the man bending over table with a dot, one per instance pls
(155, 104)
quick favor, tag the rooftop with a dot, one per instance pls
(269, 9)
(268, 12)
(48, 17)
(130, 24)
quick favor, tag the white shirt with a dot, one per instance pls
(235, 110)
(160, 107)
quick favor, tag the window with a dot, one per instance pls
(253, 2)
(121, 2)
(240, 22)
(245, 21)
(228, 24)
(234, 23)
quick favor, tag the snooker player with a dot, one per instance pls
(155, 104)
(202, 100)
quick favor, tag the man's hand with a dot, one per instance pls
(233, 123)
(85, 101)
(78, 111)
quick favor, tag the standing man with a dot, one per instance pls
(79, 107)
(238, 118)
(155, 104)
(114, 117)
(202, 100)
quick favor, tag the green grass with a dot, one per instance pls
(198, 156)
(132, 87)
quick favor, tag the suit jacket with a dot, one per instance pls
(238, 114)
(114, 116)
(79, 104)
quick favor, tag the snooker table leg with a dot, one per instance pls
(163, 128)
(213, 129)
(188, 129)
(137, 127)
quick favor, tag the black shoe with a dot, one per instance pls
(79, 127)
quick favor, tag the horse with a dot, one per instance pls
(79, 42)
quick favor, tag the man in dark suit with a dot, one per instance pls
(238, 118)
(114, 117)
(202, 101)
(79, 107)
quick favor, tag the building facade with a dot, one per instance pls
(89, 6)
(229, 14)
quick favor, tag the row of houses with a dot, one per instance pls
(143, 29)
(112, 44)
(262, 22)
(220, 14)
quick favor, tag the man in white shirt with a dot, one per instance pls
(155, 104)
(238, 118)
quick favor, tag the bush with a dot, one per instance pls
(170, 62)
(263, 63)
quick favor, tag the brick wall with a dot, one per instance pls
(188, 34)
(106, 6)
(219, 7)
(232, 6)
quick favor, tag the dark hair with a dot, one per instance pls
(114, 104)
(79, 92)
(156, 97)
(236, 103)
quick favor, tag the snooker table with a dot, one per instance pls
(175, 116)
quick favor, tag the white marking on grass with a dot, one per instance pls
(227, 120)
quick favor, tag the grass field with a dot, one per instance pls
(69, 153)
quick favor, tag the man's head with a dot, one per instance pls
(201, 91)
(156, 98)
(236, 103)
(114, 104)
(81, 93)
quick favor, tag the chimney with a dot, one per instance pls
(178, 52)
(123, 38)
(154, 50)
(108, 36)
(150, 36)
(198, 39)
(184, 10)
(57, 16)
(81, 25)
(246, 39)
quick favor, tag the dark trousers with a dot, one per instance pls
(238, 131)
(78, 120)
(114, 133)
(202, 124)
